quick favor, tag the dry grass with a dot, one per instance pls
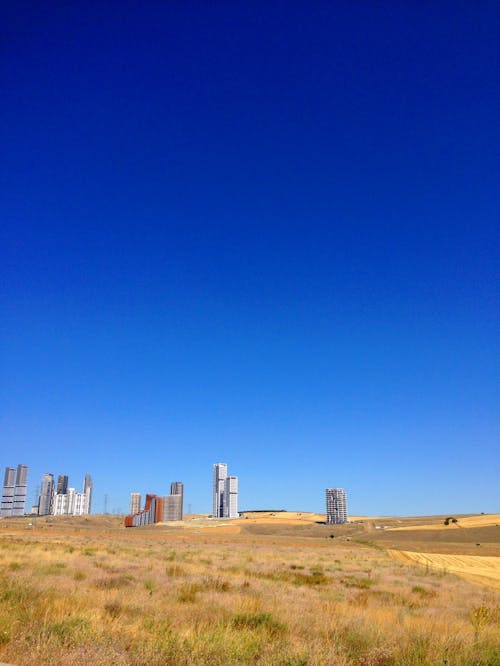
(105, 595)
(465, 522)
(484, 570)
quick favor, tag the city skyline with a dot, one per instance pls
(248, 234)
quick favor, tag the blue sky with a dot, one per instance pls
(256, 233)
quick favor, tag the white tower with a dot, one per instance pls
(231, 497)
(220, 475)
(336, 506)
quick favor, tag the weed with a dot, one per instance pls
(261, 621)
(69, 632)
(113, 609)
(150, 585)
(217, 584)
(363, 583)
(114, 582)
(188, 593)
(423, 592)
(174, 570)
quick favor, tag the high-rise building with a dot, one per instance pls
(14, 491)
(46, 495)
(152, 513)
(64, 503)
(156, 509)
(20, 491)
(172, 507)
(135, 502)
(219, 481)
(230, 499)
(87, 491)
(225, 493)
(177, 488)
(336, 506)
(62, 484)
(9, 486)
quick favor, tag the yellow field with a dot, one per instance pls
(476, 568)
(483, 520)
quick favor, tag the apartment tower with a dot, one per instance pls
(219, 484)
(46, 499)
(177, 489)
(135, 502)
(87, 491)
(230, 499)
(62, 484)
(172, 507)
(20, 491)
(336, 506)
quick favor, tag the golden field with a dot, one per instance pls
(268, 590)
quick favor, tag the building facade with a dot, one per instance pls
(156, 509)
(88, 487)
(336, 506)
(62, 484)
(20, 491)
(177, 488)
(14, 491)
(9, 486)
(225, 493)
(219, 484)
(172, 507)
(135, 502)
(67, 503)
(46, 498)
(152, 512)
(231, 497)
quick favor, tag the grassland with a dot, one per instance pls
(271, 590)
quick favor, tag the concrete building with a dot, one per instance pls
(156, 509)
(88, 487)
(69, 503)
(225, 493)
(219, 484)
(46, 495)
(62, 484)
(135, 502)
(336, 506)
(14, 491)
(230, 500)
(20, 491)
(177, 488)
(9, 486)
(172, 507)
(152, 513)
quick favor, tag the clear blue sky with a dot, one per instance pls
(256, 233)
